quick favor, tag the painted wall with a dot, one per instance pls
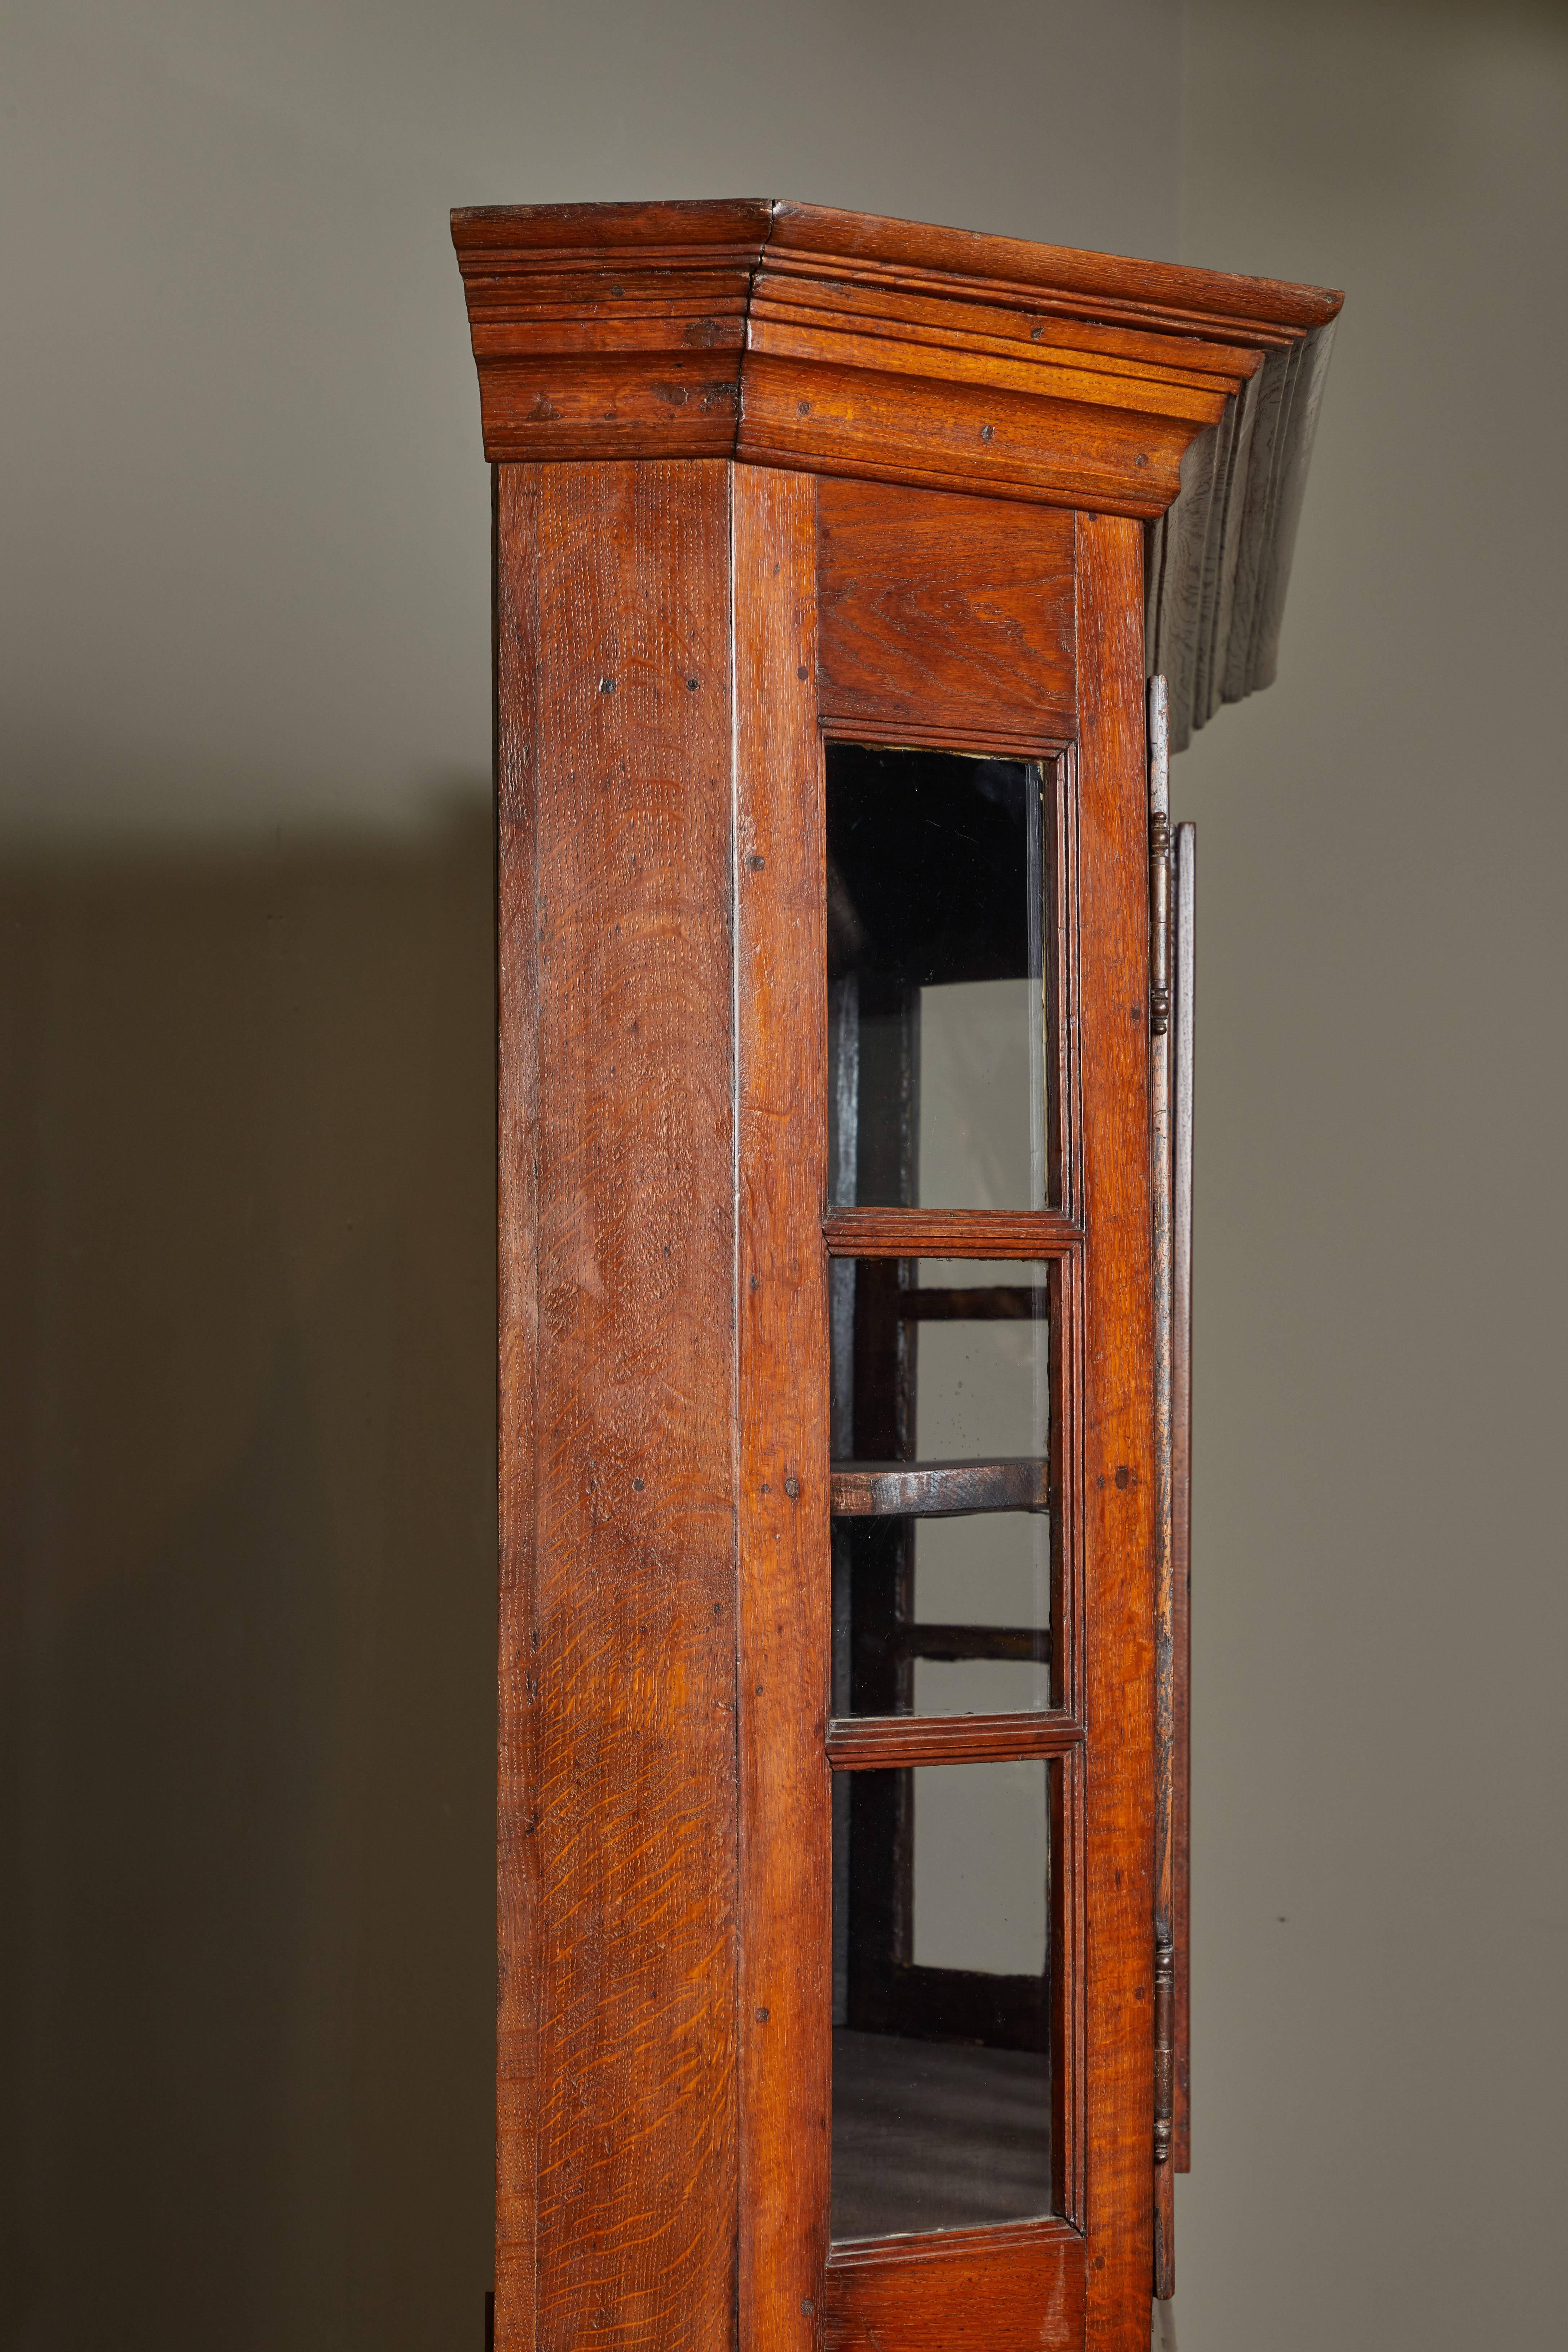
(1380, 1916)
(246, 1141)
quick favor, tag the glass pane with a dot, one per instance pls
(935, 918)
(941, 2095)
(943, 1540)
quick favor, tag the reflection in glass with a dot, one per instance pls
(942, 2103)
(935, 916)
(943, 1539)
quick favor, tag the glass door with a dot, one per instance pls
(950, 1665)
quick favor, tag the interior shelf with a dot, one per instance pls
(929, 1490)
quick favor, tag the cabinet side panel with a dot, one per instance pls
(782, 963)
(632, 1644)
(517, 1890)
(1119, 1612)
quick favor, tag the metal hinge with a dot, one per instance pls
(1159, 858)
(1164, 2044)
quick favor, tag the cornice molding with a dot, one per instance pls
(792, 335)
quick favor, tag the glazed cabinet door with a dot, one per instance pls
(946, 1471)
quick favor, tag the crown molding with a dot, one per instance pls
(796, 336)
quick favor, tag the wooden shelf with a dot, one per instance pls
(997, 1303)
(1031, 1643)
(930, 1490)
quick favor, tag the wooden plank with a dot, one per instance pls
(1016, 2288)
(785, 2006)
(615, 404)
(878, 1742)
(783, 331)
(703, 225)
(895, 247)
(1160, 1228)
(875, 305)
(933, 607)
(884, 1490)
(1118, 1600)
(1044, 736)
(950, 1233)
(840, 412)
(628, 1657)
(518, 1921)
(895, 352)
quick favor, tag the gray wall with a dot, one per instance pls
(1381, 1917)
(245, 1141)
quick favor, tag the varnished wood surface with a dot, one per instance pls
(876, 1743)
(1160, 1226)
(1089, 280)
(880, 350)
(570, 348)
(520, 1925)
(924, 603)
(786, 2005)
(622, 1623)
(1118, 1600)
(663, 2101)
(1016, 2288)
(881, 1490)
(950, 1233)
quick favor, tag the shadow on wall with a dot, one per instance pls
(246, 1223)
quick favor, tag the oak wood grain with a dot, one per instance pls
(1118, 1595)
(1017, 2287)
(839, 344)
(517, 1893)
(938, 1489)
(785, 2007)
(1158, 776)
(878, 1742)
(950, 1233)
(927, 607)
(832, 411)
(920, 250)
(627, 1642)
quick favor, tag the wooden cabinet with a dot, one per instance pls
(840, 1775)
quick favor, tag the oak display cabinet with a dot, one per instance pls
(844, 966)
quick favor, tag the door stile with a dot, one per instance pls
(784, 1624)
(515, 492)
(1160, 1188)
(1117, 1625)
